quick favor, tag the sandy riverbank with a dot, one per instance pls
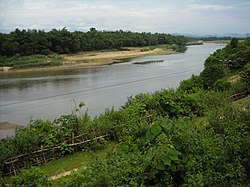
(89, 59)
(4, 125)
(7, 129)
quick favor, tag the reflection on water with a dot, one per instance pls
(149, 62)
(50, 94)
(24, 84)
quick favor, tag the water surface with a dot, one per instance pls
(48, 95)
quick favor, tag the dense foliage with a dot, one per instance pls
(31, 61)
(32, 42)
(212, 38)
(232, 59)
(142, 109)
(192, 136)
(177, 153)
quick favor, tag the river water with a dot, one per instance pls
(48, 95)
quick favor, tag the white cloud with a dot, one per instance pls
(137, 15)
(209, 7)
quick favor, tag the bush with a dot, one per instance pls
(238, 87)
(191, 85)
(245, 77)
(33, 177)
(211, 74)
(31, 61)
(178, 153)
(221, 85)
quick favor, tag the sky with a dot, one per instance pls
(162, 16)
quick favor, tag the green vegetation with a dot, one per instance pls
(32, 42)
(195, 43)
(192, 136)
(32, 177)
(17, 62)
(175, 153)
(232, 59)
(243, 103)
(212, 38)
(76, 160)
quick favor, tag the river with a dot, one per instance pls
(50, 94)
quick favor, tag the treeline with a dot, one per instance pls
(212, 38)
(32, 42)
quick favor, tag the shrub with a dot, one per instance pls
(191, 85)
(33, 177)
(211, 74)
(221, 85)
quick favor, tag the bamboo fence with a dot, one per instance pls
(237, 96)
(13, 165)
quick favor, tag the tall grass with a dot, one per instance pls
(22, 62)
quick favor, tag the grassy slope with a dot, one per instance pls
(77, 160)
(242, 103)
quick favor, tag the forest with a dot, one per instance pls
(192, 136)
(36, 48)
(32, 42)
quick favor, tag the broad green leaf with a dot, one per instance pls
(173, 157)
(153, 132)
(150, 136)
(167, 161)
(177, 142)
(161, 166)
(156, 129)
(173, 167)
(174, 154)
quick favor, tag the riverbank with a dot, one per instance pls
(220, 42)
(5, 125)
(7, 129)
(96, 58)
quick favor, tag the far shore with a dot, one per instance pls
(92, 59)
(222, 42)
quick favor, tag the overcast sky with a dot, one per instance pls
(167, 16)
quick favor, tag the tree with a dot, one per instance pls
(245, 76)
(192, 84)
(221, 85)
(234, 42)
(33, 42)
(33, 177)
(211, 74)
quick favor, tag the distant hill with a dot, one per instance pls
(232, 35)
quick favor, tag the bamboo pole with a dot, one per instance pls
(97, 135)
(13, 168)
(44, 157)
